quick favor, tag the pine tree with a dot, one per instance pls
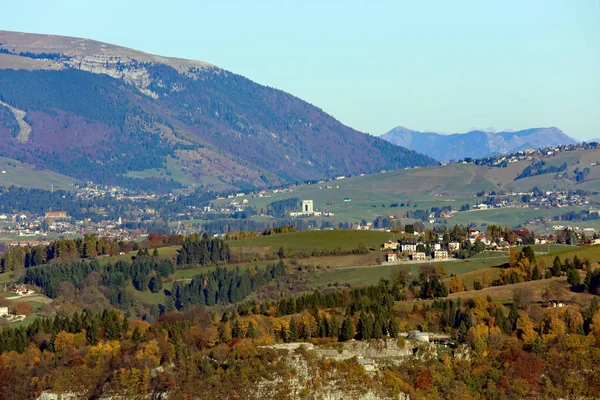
(293, 330)
(92, 336)
(252, 330)
(556, 267)
(136, 336)
(535, 274)
(347, 331)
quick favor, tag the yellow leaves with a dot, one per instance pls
(307, 325)
(525, 330)
(595, 327)
(133, 380)
(209, 336)
(64, 341)
(477, 338)
(480, 308)
(456, 285)
(142, 326)
(225, 332)
(149, 353)
(32, 355)
(575, 320)
(102, 353)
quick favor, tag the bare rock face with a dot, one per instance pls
(125, 68)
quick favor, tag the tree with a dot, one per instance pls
(92, 335)
(400, 276)
(136, 336)
(155, 284)
(252, 331)
(556, 267)
(155, 252)
(347, 331)
(365, 326)
(536, 274)
(456, 285)
(524, 328)
(24, 308)
(573, 277)
(281, 253)
(522, 298)
(293, 336)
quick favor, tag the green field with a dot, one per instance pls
(25, 175)
(166, 252)
(345, 239)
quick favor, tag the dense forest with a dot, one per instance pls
(201, 250)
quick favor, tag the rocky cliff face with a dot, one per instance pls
(124, 68)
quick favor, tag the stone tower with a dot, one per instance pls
(307, 207)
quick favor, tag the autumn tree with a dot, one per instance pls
(456, 285)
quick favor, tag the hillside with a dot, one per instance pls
(95, 111)
(475, 144)
(404, 193)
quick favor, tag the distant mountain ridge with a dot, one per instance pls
(95, 111)
(475, 144)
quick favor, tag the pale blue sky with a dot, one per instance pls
(446, 66)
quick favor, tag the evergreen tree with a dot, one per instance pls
(535, 274)
(293, 330)
(155, 284)
(557, 267)
(92, 335)
(573, 277)
(252, 332)
(347, 331)
(136, 336)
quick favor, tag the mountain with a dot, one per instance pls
(95, 111)
(475, 144)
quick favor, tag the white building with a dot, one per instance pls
(408, 247)
(454, 246)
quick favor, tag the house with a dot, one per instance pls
(21, 290)
(556, 304)
(390, 245)
(454, 246)
(420, 256)
(408, 247)
(56, 214)
(436, 246)
(440, 255)
(347, 200)
(391, 257)
(3, 311)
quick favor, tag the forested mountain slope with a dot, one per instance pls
(100, 112)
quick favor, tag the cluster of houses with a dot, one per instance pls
(411, 250)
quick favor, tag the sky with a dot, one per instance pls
(443, 66)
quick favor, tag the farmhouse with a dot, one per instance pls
(420, 256)
(391, 257)
(3, 311)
